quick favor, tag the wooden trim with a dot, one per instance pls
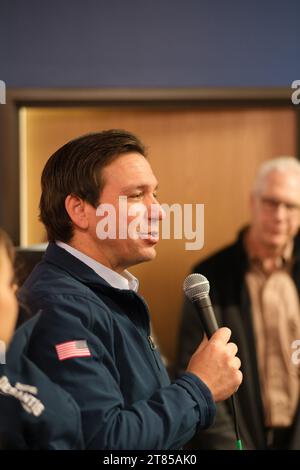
(148, 94)
(18, 97)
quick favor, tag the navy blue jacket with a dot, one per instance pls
(123, 390)
(35, 413)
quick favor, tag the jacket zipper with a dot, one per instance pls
(153, 347)
(149, 337)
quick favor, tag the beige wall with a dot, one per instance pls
(198, 155)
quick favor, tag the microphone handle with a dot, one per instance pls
(207, 315)
(210, 326)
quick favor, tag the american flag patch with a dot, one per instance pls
(72, 349)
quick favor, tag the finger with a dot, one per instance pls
(231, 349)
(239, 378)
(222, 335)
(236, 363)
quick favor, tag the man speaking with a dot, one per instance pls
(92, 336)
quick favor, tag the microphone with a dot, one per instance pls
(196, 288)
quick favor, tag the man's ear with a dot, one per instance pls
(76, 208)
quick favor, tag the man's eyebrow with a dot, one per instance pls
(140, 186)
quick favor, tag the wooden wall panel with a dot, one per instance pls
(199, 156)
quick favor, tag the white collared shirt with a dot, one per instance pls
(119, 281)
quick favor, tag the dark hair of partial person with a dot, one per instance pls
(6, 245)
(76, 168)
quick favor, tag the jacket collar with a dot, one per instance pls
(126, 299)
(86, 275)
(76, 268)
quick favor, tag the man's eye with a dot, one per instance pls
(136, 195)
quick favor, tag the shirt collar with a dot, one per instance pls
(120, 281)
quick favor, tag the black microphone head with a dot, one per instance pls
(196, 286)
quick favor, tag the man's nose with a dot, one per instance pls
(156, 212)
(281, 211)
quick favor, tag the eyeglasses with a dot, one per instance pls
(273, 205)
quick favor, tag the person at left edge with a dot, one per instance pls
(35, 413)
(93, 335)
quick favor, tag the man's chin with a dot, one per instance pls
(147, 254)
(276, 241)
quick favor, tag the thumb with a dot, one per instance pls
(222, 335)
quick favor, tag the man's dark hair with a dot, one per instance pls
(76, 168)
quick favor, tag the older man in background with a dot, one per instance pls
(255, 288)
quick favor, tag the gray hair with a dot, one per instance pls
(281, 164)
